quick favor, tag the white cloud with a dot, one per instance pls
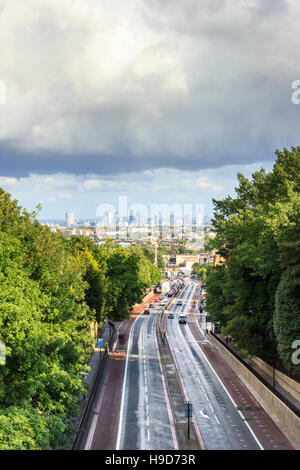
(146, 83)
(90, 185)
(8, 182)
(65, 196)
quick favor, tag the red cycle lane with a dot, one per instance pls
(265, 430)
(104, 426)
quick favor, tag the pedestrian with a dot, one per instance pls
(226, 339)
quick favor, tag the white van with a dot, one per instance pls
(182, 318)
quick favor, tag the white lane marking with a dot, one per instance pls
(182, 384)
(171, 419)
(217, 419)
(203, 415)
(228, 394)
(124, 384)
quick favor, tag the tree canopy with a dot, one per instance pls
(255, 293)
(51, 289)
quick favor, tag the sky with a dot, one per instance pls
(158, 101)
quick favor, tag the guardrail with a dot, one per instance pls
(77, 441)
(279, 395)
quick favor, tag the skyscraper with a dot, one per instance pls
(70, 219)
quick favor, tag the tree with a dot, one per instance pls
(251, 230)
(202, 270)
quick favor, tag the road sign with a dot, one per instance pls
(188, 410)
(100, 342)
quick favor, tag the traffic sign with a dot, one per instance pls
(188, 410)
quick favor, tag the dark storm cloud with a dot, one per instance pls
(187, 85)
(270, 7)
(21, 164)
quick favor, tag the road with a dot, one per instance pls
(133, 411)
(219, 422)
(145, 417)
(102, 429)
(226, 413)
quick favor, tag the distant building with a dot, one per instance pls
(70, 219)
(172, 220)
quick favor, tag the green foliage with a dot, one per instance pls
(202, 270)
(287, 302)
(253, 232)
(51, 289)
(150, 255)
(28, 429)
(129, 274)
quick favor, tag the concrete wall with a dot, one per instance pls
(286, 382)
(285, 419)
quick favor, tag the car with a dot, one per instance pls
(156, 300)
(182, 319)
(151, 305)
(179, 302)
(146, 311)
(171, 315)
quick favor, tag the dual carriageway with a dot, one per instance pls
(134, 412)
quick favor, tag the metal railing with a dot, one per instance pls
(279, 395)
(85, 413)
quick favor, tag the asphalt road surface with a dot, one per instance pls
(145, 416)
(220, 424)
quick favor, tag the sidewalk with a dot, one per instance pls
(96, 357)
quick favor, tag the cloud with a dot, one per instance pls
(9, 182)
(113, 87)
(51, 199)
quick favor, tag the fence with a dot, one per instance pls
(279, 395)
(85, 413)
